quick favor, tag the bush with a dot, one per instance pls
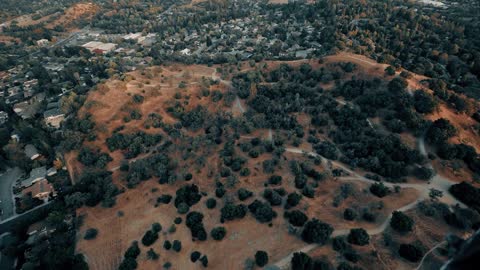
(167, 245)
(244, 194)
(263, 212)
(272, 197)
(467, 194)
(194, 256)
(293, 199)
(401, 222)
(261, 258)
(349, 214)
(211, 203)
(165, 198)
(183, 208)
(195, 223)
(149, 238)
(296, 218)
(316, 231)
(411, 252)
(133, 251)
(301, 261)
(156, 227)
(218, 233)
(358, 237)
(90, 234)
(188, 194)
(177, 245)
(275, 180)
(128, 264)
(204, 260)
(152, 255)
(339, 244)
(231, 211)
(379, 190)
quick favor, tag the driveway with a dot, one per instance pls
(7, 179)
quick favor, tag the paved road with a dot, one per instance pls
(7, 179)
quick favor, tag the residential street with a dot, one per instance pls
(7, 179)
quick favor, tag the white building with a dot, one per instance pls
(99, 47)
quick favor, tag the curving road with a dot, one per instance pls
(7, 204)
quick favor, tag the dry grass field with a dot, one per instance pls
(136, 209)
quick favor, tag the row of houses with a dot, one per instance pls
(36, 184)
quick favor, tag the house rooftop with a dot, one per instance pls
(31, 151)
(36, 175)
(52, 113)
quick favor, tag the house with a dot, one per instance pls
(3, 117)
(132, 36)
(99, 47)
(42, 42)
(52, 171)
(36, 175)
(53, 117)
(31, 152)
(25, 109)
(37, 231)
(29, 88)
(15, 137)
(40, 189)
(185, 51)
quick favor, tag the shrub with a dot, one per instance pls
(218, 233)
(220, 191)
(183, 208)
(272, 197)
(261, 258)
(411, 252)
(293, 199)
(90, 234)
(156, 227)
(177, 220)
(339, 244)
(133, 251)
(262, 211)
(211, 203)
(275, 180)
(244, 194)
(301, 261)
(165, 198)
(316, 231)
(358, 237)
(177, 245)
(401, 222)
(188, 194)
(231, 211)
(349, 214)
(128, 264)
(194, 256)
(152, 255)
(379, 190)
(195, 223)
(167, 245)
(296, 218)
(149, 238)
(204, 260)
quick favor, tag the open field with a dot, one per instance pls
(136, 209)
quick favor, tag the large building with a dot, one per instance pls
(99, 47)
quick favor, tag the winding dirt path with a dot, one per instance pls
(437, 182)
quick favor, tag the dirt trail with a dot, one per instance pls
(437, 182)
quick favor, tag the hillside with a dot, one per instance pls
(224, 140)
